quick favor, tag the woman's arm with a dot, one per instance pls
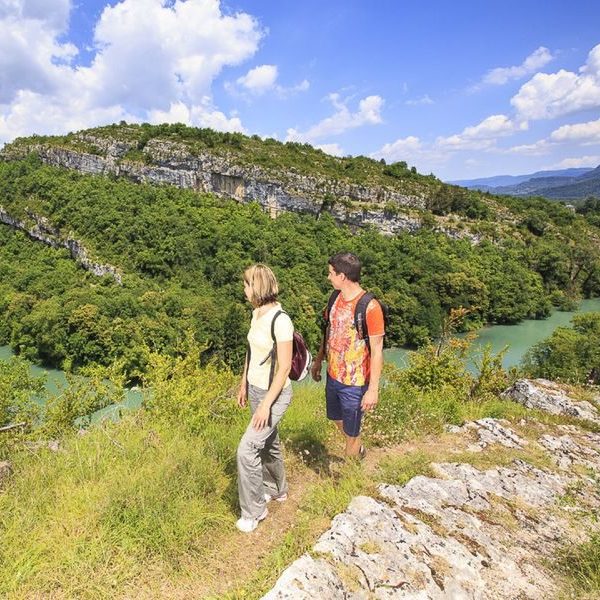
(242, 392)
(284, 364)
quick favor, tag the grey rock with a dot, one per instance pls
(490, 431)
(547, 396)
(566, 452)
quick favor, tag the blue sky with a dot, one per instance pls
(463, 89)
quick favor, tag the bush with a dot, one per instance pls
(569, 354)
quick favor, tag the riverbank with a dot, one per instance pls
(147, 505)
(518, 338)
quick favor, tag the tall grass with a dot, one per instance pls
(146, 498)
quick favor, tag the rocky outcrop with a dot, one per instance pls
(466, 533)
(43, 231)
(548, 396)
(171, 163)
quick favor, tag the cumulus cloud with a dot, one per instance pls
(262, 79)
(401, 149)
(333, 149)
(536, 60)
(202, 115)
(152, 59)
(585, 133)
(551, 95)
(581, 161)
(368, 113)
(538, 148)
(31, 57)
(259, 79)
(483, 135)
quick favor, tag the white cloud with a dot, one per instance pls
(552, 95)
(259, 79)
(333, 149)
(202, 115)
(30, 53)
(422, 100)
(368, 113)
(401, 149)
(262, 79)
(582, 161)
(483, 135)
(586, 133)
(538, 148)
(152, 60)
(536, 60)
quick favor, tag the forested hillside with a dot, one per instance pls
(181, 254)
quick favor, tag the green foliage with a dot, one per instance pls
(399, 470)
(569, 354)
(581, 563)
(107, 506)
(17, 392)
(182, 392)
(182, 255)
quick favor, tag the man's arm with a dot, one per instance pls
(372, 394)
(315, 369)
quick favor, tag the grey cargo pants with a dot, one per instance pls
(259, 456)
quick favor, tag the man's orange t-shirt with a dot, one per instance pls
(348, 358)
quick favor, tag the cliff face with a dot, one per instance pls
(42, 231)
(171, 163)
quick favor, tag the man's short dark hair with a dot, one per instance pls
(346, 263)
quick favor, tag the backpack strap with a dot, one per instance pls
(360, 318)
(332, 298)
(247, 366)
(273, 354)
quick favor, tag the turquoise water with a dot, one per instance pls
(519, 338)
(57, 381)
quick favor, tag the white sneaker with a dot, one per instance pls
(277, 497)
(248, 525)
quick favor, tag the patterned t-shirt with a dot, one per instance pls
(348, 359)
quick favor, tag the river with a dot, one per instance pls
(519, 338)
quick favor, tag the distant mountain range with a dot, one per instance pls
(565, 184)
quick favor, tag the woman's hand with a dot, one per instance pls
(241, 397)
(260, 418)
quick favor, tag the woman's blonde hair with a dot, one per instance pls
(263, 284)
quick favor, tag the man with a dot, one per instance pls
(353, 371)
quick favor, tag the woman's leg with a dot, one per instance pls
(273, 471)
(250, 449)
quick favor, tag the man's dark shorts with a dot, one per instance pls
(343, 404)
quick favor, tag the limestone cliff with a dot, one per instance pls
(172, 163)
(42, 231)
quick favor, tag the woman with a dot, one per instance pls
(265, 383)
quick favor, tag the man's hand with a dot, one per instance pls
(241, 397)
(260, 418)
(315, 370)
(370, 399)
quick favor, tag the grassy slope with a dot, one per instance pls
(146, 506)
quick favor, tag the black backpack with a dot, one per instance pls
(360, 315)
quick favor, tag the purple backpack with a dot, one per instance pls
(301, 356)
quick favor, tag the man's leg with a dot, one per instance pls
(352, 443)
(350, 400)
